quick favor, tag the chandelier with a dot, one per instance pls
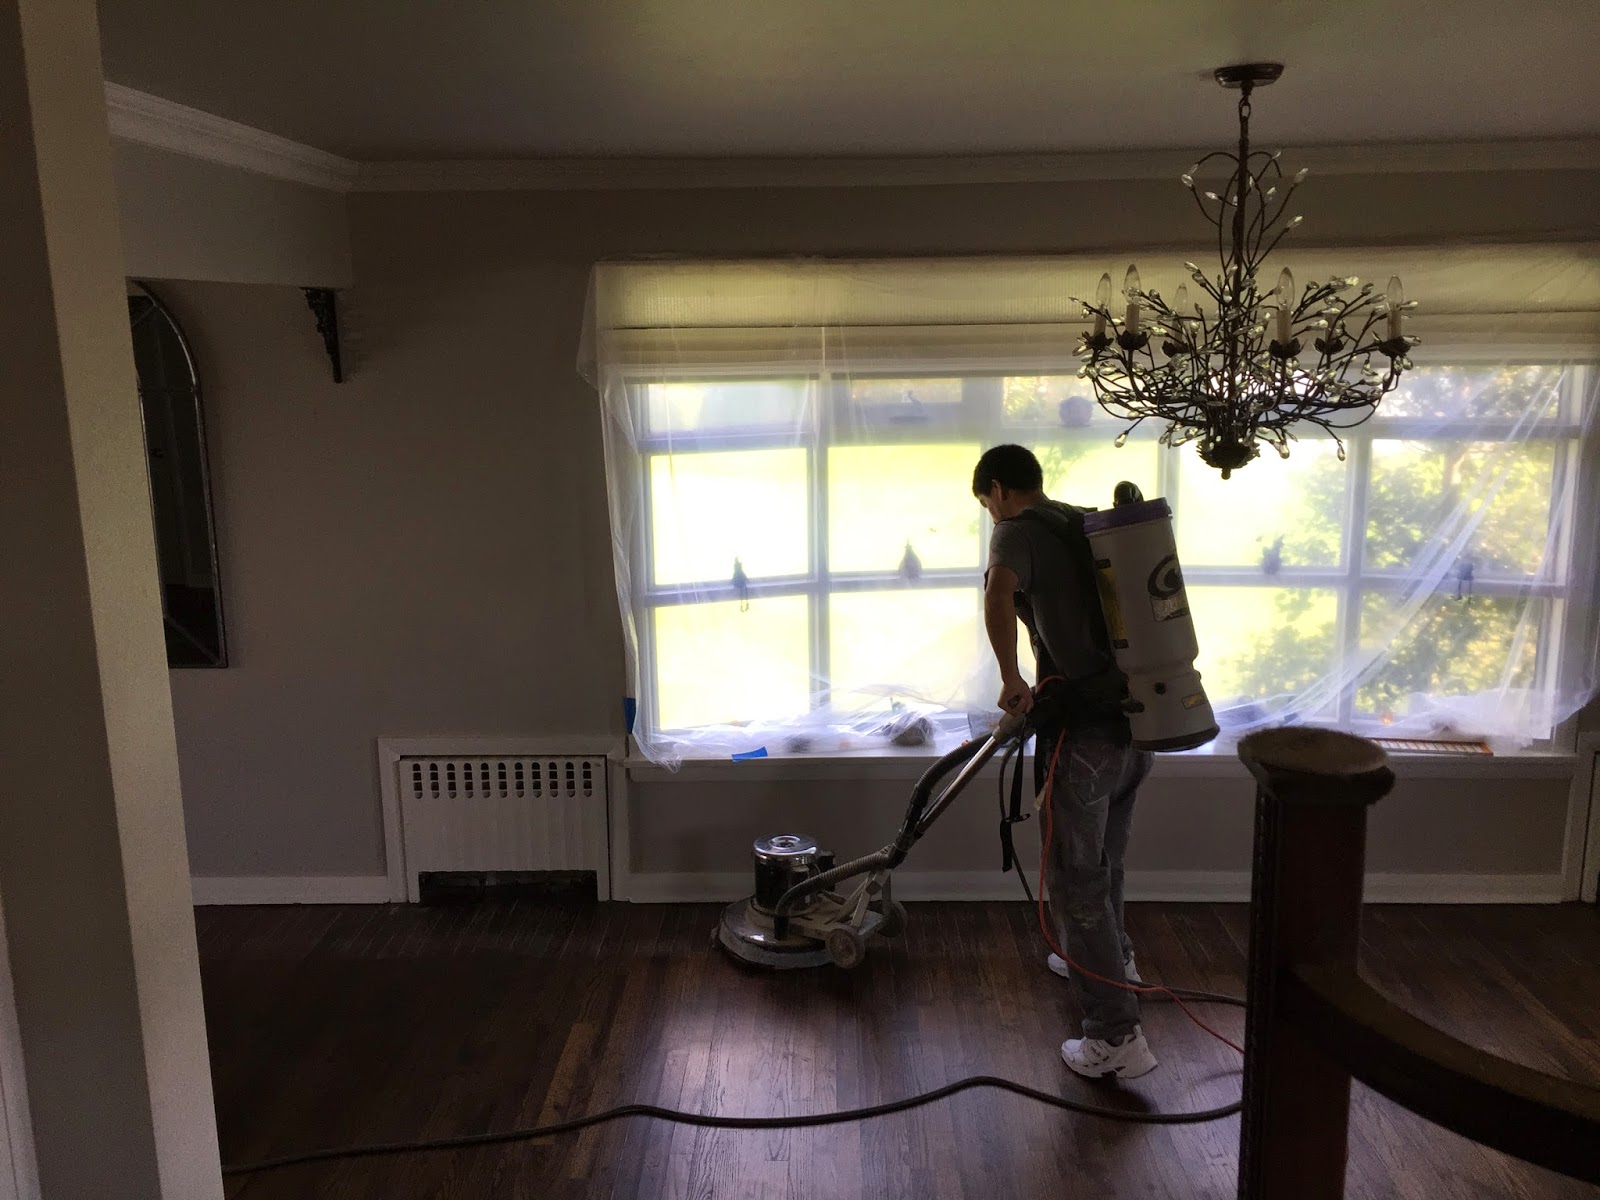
(1260, 364)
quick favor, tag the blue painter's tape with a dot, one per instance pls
(630, 712)
(746, 756)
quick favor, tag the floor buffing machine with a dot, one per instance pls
(806, 911)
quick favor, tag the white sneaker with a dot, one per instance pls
(1097, 1059)
(1061, 967)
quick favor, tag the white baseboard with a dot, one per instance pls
(1169, 886)
(290, 889)
(688, 887)
(1405, 888)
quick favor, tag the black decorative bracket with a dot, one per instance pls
(324, 306)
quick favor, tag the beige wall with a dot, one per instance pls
(1182, 826)
(187, 219)
(424, 549)
(414, 551)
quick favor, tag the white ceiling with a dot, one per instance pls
(395, 79)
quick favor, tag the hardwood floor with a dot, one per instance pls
(346, 1025)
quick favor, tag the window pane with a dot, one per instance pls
(1474, 393)
(882, 499)
(1449, 647)
(914, 644)
(1084, 471)
(1055, 401)
(717, 663)
(1273, 513)
(727, 405)
(706, 510)
(1422, 492)
(1257, 642)
(903, 401)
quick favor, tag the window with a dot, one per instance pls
(811, 541)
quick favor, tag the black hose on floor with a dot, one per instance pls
(714, 1121)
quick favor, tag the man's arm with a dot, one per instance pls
(1000, 620)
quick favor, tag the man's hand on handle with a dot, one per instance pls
(1016, 697)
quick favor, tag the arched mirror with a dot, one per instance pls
(180, 484)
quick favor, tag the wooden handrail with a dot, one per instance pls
(1541, 1118)
(1314, 1023)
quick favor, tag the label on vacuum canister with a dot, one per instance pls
(1194, 700)
(1168, 600)
(1106, 580)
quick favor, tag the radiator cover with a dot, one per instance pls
(497, 813)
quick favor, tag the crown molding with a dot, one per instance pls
(599, 174)
(139, 117)
(151, 121)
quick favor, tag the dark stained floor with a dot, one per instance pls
(346, 1025)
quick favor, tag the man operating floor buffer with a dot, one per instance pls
(806, 911)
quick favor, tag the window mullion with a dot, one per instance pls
(821, 637)
(646, 710)
(1167, 476)
(1561, 638)
(1359, 478)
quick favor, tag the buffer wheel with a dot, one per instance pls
(845, 947)
(894, 919)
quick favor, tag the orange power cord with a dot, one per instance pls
(1044, 925)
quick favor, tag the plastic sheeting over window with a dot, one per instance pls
(789, 451)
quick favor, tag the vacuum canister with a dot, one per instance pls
(1147, 614)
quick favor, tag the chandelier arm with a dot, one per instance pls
(1258, 230)
(1200, 200)
(1360, 339)
(1277, 215)
(1132, 377)
(1355, 424)
(1207, 286)
(1273, 245)
(1264, 215)
(1196, 192)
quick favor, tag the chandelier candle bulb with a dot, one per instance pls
(1285, 305)
(1102, 298)
(1130, 289)
(1396, 295)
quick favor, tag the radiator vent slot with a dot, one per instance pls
(536, 778)
(499, 814)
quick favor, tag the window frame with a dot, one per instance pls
(1351, 581)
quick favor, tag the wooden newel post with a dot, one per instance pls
(1313, 787)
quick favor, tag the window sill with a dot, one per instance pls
(1209, 762)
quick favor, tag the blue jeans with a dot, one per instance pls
(1091, 813)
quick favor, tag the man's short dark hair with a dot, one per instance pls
(1012, 467)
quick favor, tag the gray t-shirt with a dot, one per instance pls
(1056, 597)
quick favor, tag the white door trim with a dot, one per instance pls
(19, 1171)
(1585, 803)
